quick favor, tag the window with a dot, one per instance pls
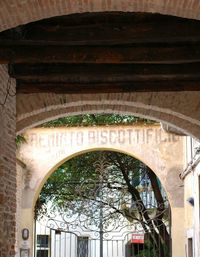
(190, 247)
(42, 246)
(43, 241)
(82, 247)
(42, 253)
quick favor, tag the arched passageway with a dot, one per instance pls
(97, 195)
(70, 81)
(46, 150)
(185, 105)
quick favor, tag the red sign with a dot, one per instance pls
(137, 239)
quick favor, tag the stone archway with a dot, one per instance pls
(46, 149)
(14, 13)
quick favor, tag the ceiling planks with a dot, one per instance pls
(149, 54)
(104, 52)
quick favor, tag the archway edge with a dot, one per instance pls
(163, 159)
(169, 108)
(118, 150)
(18, 12)
(47, 148)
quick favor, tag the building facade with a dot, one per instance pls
(191, 178)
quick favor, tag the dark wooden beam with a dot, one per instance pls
(106, 29)
(105, 78)
(102, 73)
(150, 53)
(104, 52)
(96, 88)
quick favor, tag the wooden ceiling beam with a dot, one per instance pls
(102, 73)
(104, 52)
(120, 29)
(96, 88)
(149, 54)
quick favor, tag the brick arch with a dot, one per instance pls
(17, 12)
(180, 110)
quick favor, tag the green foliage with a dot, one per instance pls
(19, 140)
(110, 181)
(146, 253)
(96, 120)
(77, 181)
(152, 251)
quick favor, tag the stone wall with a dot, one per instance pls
(7, 165)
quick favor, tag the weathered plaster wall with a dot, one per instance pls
(46, 149)
(192, 189)
(189, 192)
(7, 166)
(21, 178)
(197, 210)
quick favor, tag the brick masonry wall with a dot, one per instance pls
(7, 167)
(16, 12)
(180, 109)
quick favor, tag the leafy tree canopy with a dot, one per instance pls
(119, 184)
(96, 120)
(108, 184)
(19, 140)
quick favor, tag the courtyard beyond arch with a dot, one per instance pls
(47, 148)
